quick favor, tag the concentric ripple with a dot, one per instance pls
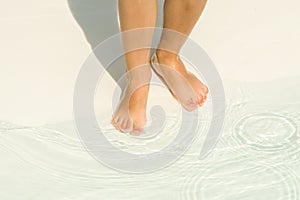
(266, 131)
(242, 180)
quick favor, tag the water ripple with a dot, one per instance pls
(266, 131)
(235, 178)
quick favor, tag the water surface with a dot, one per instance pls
(257, 157)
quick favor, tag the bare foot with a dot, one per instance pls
(130, 115)
(184, 86)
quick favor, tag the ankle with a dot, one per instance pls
(138, 75)
(166, 55)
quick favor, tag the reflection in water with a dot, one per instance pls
(258, 157)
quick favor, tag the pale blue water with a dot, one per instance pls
(257, 157)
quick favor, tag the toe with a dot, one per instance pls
(114, 123)
(136, 132)
(114, 119)
(201, 102)
(200, 97)
(128, 126)
(124, 126)
(116, 126)
(205, 89)
(138, 126)
(119, 124)
(203, 99)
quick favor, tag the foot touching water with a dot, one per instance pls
(184, 85)
(130, 115)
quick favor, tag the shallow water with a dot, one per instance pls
(257, 156)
